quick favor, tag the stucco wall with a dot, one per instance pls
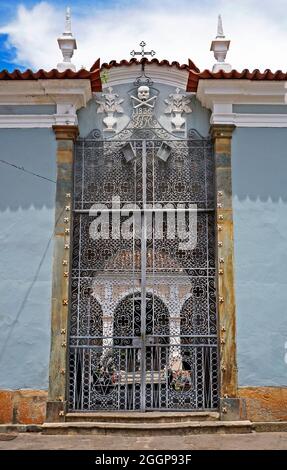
(259, 167)
(26, 225)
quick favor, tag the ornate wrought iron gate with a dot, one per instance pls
(143, 329)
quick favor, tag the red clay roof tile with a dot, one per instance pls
(195, 76)
(133, 61)
(94, 73)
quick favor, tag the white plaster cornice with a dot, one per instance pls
(26, 121)
(67, 95)
(220, 95)
(161, 74)
(250, 120)
(241, 92)
(51, 91)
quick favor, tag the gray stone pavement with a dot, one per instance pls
(35, 441)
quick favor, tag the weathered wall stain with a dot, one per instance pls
(22, 406)
(265, 403)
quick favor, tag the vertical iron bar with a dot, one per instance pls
(75, 378)
(210, 378)
(203, 378)
(194, 353)
(134, 290)
(153, 221)
(143, 281)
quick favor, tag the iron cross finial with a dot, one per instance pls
(143, 53)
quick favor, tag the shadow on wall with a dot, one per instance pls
(35, 150)
(259, 164)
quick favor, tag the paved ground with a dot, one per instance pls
(32, 441)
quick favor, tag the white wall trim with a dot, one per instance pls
(68, 91)
(241, 92)
(221, 95)
(250, 120)
(26, 121)
(68, 95)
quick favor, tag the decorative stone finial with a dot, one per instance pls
(220, 46)
(220, 33)
(68, 27)
(67, 44)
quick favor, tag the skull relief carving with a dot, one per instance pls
(143, 93)
(143, 98)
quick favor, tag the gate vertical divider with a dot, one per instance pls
(143, 279)
(134, 270)
(152, 232)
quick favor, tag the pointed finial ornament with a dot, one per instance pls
(220, 33)
(67, 44)
(68, 28)
(220, 46)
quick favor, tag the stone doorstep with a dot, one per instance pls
(19, 428)
(148, 417)
(9, 436)
(230, 427)
(270, 426)
(167, 428)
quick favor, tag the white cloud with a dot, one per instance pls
(176, 30)
(32, 32)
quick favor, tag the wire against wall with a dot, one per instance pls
(27, 171)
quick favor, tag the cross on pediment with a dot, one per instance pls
(143, 53)
(143, 79)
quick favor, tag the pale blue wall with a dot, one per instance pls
(259, 165)
(26, 225)
(259, 171)
(260, 108)
(28, 109)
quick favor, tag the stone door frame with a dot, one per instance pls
(57, 399)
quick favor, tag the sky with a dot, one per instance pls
(175, 29)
